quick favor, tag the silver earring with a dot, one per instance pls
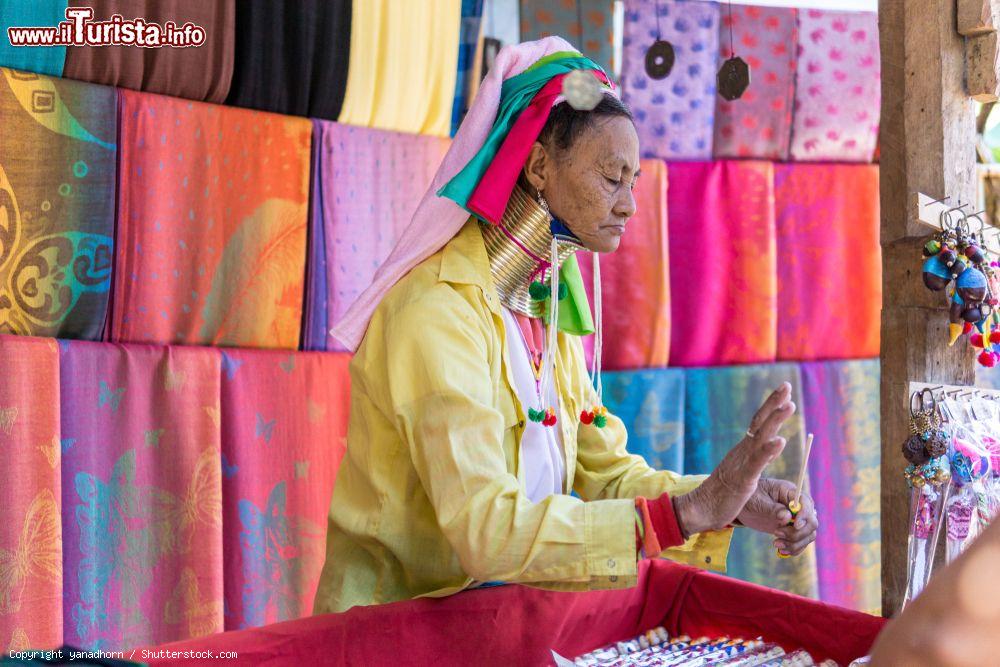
(542, 202)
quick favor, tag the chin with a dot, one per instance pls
(608, 243)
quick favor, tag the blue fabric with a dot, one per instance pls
(472, 13)
(651, 404)
(28, 14)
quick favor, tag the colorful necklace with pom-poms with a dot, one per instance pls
(539, 291)
(598, 414)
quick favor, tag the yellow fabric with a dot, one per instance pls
(429, 497)
(404, 60)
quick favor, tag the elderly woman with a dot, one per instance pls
(473, 415)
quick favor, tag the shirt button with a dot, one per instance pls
(708, 559)
(612, 579)
(611, 563)
(521, 424)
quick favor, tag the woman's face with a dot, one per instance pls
(589, 185)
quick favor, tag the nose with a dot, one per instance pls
(625, 204)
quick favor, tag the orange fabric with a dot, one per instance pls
(829, 261)
(211, 224)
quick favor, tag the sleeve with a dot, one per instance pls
(605, 469)
(438, 357)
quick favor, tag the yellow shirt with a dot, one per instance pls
(429, 498)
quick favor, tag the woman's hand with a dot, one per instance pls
(767, 511)
(722, 496)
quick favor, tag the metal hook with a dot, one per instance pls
(946, 216)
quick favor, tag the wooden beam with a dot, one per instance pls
(928, 144)
(977, 17)
(981, 68)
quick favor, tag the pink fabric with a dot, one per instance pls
(722, 263)
(284, 426)
(31, 567)
(489, 200)
(437, 219)
(838, 90)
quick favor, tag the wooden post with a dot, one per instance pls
(977, 17)
(927, 145)
(981, 67)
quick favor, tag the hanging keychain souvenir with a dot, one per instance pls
(929, 479)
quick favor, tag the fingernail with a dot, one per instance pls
(799, 524)
(778, 544)
(784, 553)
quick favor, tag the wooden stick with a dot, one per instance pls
(802, 470)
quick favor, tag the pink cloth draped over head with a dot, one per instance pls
(437, 219)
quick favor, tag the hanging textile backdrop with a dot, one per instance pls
(40, 59)
(830, 261)
(467, 78)
(722, 273)
(718, 406)
(200, 72)
(57, 214)
(759, 124)
(414, 67)
(31, 543)
(404, 58)
(292, 57)
(221, 193)
(586, 24)
(686, 420)
(842, 410)
(141, 494)
(367, 184)
(162, 492)
(674, 115)
(838, 87)
(284, 426)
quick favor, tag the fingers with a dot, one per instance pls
(794, 539)
(774, 421)
(777, 398)
(795, 548)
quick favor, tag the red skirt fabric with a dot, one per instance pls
(519, 625)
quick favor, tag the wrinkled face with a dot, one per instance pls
(589, 185)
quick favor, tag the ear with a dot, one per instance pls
(537, 167)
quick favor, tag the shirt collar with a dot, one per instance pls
(464, 262)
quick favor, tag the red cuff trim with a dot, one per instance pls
(664, 520)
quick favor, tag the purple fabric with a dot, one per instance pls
(314, 315)
(366, 188)
(673, 115)
(838, 89)
(842, 411)
(141, 494)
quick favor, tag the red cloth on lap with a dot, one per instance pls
(519, 625)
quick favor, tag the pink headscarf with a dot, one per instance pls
(437, 219)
